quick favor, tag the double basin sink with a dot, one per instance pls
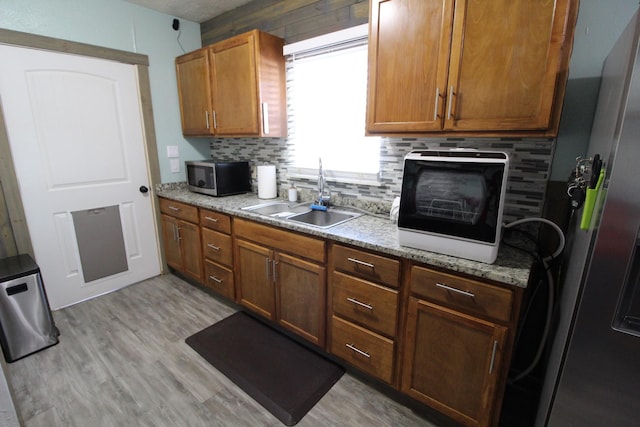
(302, 213)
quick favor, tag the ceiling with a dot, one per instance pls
(191, 10)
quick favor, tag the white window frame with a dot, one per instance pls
(338, 38)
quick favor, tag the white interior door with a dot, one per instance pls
(76, 137)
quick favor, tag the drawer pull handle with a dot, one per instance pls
(173, 208)
(357, 261)
(449, 288)
(493, 356)
(357, 350)
(215, 279)
(212, 246)
(208, 218)
(361, 304)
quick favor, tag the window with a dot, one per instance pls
(328, 84)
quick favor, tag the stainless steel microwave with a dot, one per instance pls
(452, 202)
(217, 178)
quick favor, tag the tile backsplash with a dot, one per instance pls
(530, 166)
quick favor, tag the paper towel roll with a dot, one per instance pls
(267, 188)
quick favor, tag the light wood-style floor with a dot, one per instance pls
(122, 361)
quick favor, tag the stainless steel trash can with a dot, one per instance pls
(26, 323)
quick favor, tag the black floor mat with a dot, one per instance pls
(280, 374)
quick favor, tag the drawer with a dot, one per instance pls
(286, 241)
(219, 279)
(365, 303)
(215, 221)
(179, 210)
(366, 350)
(463, 294)
(217, 247)
(367, 265)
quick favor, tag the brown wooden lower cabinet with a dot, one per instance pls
(300, 296)
(253, 271)
(182, 246)
(452, 361)
(441, 338)
(277, 283)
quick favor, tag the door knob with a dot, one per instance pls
(144, 189)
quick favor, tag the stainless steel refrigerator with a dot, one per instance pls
(593, 373)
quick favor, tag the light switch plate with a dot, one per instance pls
(172, 151)
(174, 164)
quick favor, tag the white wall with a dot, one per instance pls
(120, 25)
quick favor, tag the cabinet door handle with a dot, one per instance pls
(357, 350)
(208, 218)
(450, 101)
(215, 120)
(436, 107)
(275, 271)
(173, 208)
(178, 233)
(361, 304)
(215, 279)
(174, 228)
(449, 288)
(493, 356)
(267, 263)
(265, 118)
(357, 261)
(206, 116)
(212, 246)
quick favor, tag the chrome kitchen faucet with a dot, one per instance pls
(322, 199)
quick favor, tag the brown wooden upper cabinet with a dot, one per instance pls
(234, 88)
(468, 67)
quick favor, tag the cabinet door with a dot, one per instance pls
(191, 249)
(254, 278)
(194, 92)
(505, 60)
(171, 239)
(234, 86)
(409, 47)
(300, 296)
(452, 361)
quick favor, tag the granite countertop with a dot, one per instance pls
(373, 232)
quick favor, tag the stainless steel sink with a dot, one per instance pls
(324, 219)
(302, 213)
(278, 209)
